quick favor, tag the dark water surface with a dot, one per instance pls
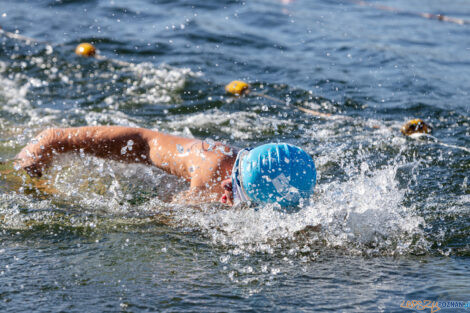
(394, 211)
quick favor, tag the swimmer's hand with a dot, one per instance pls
(36, 156)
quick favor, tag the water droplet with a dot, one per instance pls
(211, 144)
(130, 143)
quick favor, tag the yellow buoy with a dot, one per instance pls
(85, 49)
(415, 126)
(237, 87)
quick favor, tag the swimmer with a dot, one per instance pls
(271, 173)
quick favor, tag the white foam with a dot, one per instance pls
(13, 208)
(242, 125)
(110, 117)
(14, 95)
(365, 212)
(156, 85)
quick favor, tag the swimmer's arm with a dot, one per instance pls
(112, 142)
(125, 144)
(185, 157)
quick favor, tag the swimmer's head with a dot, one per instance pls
(274, 173)
(415, 126)
(85, 49)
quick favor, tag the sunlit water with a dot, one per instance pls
(390, 217)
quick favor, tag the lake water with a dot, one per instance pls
(394, 211)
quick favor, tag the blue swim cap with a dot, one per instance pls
(275, 173)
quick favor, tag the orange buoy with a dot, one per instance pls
(237, 87)
(85, 49)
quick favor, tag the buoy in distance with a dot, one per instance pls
(415, 126)
(237, 88)
(85, 49)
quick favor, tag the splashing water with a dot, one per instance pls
(157, 85)
(362, 215)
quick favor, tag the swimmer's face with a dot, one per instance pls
(227, 197)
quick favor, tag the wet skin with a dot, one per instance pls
(207, 167)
